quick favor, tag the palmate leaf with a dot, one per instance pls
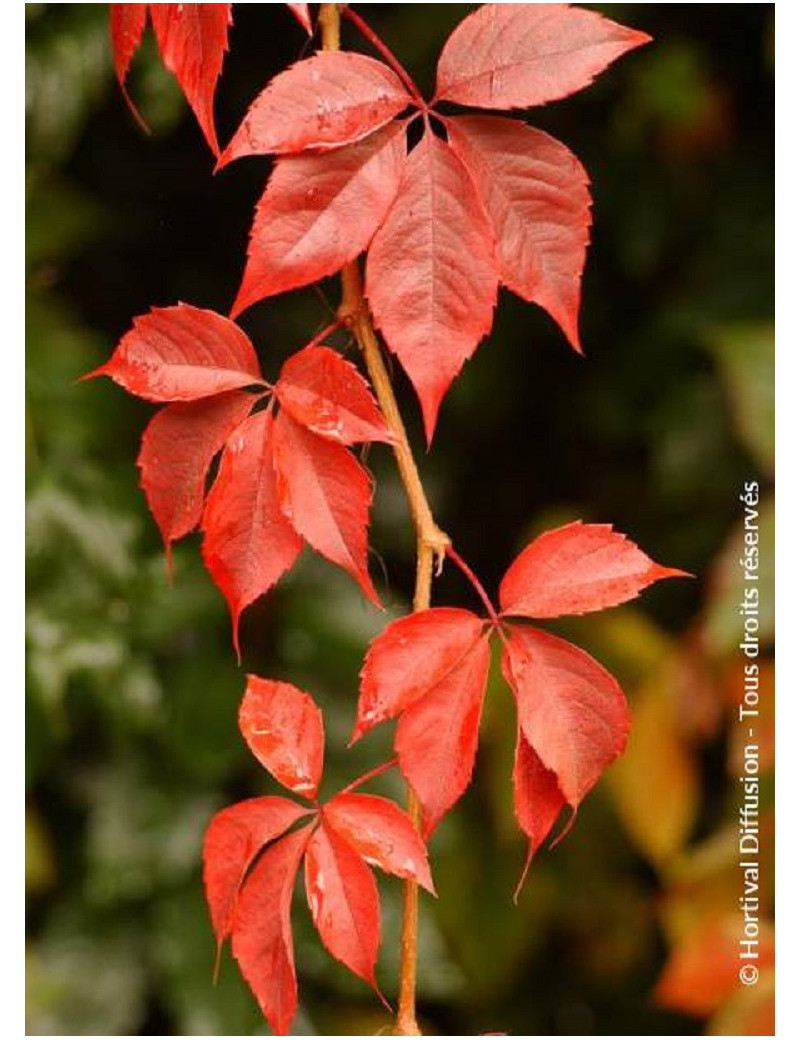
(496, 202)
(429, 671)
(253, 851)
(281, 482)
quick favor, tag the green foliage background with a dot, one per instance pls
(132, 686)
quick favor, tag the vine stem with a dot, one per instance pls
(432, 542)
(371, 37)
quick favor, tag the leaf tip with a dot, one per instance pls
(639, 38)
(101, 370)
(524, 876)
(240, 304)
(235, 615)
(671, 572)
(217, 963)
(227, 155)
(565, 829)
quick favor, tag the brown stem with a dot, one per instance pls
(432, 543)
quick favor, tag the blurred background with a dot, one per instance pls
(630, 925)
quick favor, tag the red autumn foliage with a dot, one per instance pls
(251, 855)
(283, 480)
(496, 203)
(430, 671)
(479, 202)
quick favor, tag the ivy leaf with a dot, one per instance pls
(325, 494)
(381, 834)
(518, 55)
(248, 543)
(283, 728)
(431, 276)
(409, 659)
(318, 213)
(262, 929)
(571, 710)
(343, 899)
(193, 39)
(302, 14)
(182, 353)
(327, 394)
(535, 192)
(575, 569)
(233, 839)
(178, 446)
(437, 737)
(326, 101)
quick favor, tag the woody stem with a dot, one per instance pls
(432, 543)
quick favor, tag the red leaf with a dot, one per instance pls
(343, 899)
(193, 39)
(178, 446)
(326, 495)
(302, 14)
(431, 276)
(318, 213)
(234, 838)
(571, 710)
(517, 55)
(575, 569)
(127, 26)
(537, 798)
(328, 396)
(534, 190)
(262, 930)
(409, 659)
(437, 737)
(283, 728)
(181, 354)
(328, 100)
(382, 834)
(249, 544)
